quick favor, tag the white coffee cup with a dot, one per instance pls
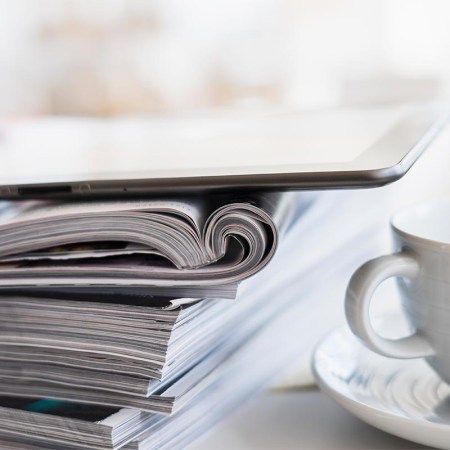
(421, 263)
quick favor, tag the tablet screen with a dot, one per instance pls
(76, 149)
(63, 156)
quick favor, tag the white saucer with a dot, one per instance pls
(402, 397)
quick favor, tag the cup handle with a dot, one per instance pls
(359, 294)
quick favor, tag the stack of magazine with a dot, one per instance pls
(116, 316)
(90, 361)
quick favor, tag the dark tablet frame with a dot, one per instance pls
(397, 150)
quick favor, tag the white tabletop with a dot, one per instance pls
(296, 420)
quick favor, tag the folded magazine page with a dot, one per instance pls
(186, 247)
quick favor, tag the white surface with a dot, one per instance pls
(297, 420)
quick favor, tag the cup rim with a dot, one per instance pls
(414, 207)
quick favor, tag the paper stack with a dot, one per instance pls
(110, 314)
(219, 352)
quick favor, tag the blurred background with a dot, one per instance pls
(116, 57)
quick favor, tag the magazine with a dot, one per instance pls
(187, 247)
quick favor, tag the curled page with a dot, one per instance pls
(191, 246)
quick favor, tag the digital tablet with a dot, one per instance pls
(212, 152)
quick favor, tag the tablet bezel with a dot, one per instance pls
(399, 148)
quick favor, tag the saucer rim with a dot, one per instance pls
(411, 429)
